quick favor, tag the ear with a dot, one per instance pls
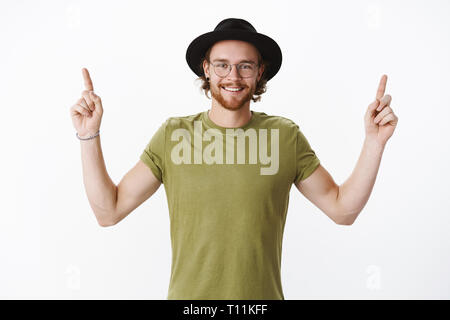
(206, 68)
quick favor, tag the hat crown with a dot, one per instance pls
(233, 24)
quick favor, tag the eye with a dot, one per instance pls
(246, 66)
(222, 65)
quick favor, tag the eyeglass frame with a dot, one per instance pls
(231, 68)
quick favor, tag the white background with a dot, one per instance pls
(334, 54)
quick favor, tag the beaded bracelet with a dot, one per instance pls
(88, 138)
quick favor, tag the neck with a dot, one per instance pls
(230, 118)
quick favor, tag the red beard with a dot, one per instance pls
(230, 102)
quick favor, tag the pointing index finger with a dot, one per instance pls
(381, 87)
(87, 80)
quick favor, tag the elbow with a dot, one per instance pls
(345, 223)
(345, 219)
(106, 222)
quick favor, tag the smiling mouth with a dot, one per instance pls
(233, 91)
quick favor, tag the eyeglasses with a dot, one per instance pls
(245, 69)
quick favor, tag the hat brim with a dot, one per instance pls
(268, 48)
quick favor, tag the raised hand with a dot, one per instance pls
(380, 120)
(87, 112)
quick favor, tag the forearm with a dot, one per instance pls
(355, 191)
(100, 189)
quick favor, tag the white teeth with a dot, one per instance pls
(232, 89)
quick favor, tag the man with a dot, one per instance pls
(228, 171)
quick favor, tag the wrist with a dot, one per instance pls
(374, 143)
(88, 136)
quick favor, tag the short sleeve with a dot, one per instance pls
(153, 154)
(305, 157)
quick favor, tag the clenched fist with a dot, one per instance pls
(87, 112)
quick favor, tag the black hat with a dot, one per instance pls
(234, 29)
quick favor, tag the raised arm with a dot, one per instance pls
(343, 203)
(110, 203)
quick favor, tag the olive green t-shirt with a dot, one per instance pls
(228, 192)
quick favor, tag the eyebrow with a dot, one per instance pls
(229, 61)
